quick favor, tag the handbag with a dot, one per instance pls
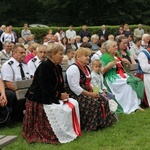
(112, 106)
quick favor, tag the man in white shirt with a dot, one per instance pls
(70, 33)
(13, 70)
(36, 61)
(138, 32)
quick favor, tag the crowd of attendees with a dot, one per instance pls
(98, 73)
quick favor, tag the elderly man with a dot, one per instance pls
(36, 61)
(138, 32)
(84, 32)
(13, 70)
(6, 53)
(103, 34)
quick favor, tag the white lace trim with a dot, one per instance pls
(60, 119)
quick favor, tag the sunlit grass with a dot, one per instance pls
(132, 132)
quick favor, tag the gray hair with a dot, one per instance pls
(94, 36)
(78, 36)
(145, 36)
(108, 44)
(53, 48)
(41, 47)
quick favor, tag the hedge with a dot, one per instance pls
(41, 32)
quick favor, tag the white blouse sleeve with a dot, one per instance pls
(145, 66)
(73, 78)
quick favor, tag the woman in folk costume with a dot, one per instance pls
(94, 108)
(51, 116)
(128, 90)
(144, 72)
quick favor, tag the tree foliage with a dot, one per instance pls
(76, 12)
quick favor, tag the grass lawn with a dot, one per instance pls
(132, 132)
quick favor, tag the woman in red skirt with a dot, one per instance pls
(51, 116)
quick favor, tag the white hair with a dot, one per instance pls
(94, 36)
(145, 36)
(108, 44)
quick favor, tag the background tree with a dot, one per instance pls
(76, 12)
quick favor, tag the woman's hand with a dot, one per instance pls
(3, 101)
(94, 95)
(124, 60)
(108, 66)
(90, 94)
(64, 96)
(111, 64)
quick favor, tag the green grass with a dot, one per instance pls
(132, 132)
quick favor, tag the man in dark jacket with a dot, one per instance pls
(84, 32)
(103, 34)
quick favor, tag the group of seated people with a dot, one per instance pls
(57, 109)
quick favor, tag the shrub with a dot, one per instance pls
(41, 32)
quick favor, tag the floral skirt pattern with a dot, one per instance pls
(36, 127)
(94, 113)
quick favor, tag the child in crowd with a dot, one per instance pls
(97, 80)
(99, 87)
(68, 59)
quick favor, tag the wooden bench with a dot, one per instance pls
(5, 140)
(64, 68)
(134, 68)
(21, 88)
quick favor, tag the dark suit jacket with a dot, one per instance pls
(105, 35)
(83, 33)
(47, 84)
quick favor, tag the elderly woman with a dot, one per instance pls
(144, 68)
(145, 40)
(136, 48)
(93, 42)
(94, 109)
(72, 44)
(118, 81)
(51, 116)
